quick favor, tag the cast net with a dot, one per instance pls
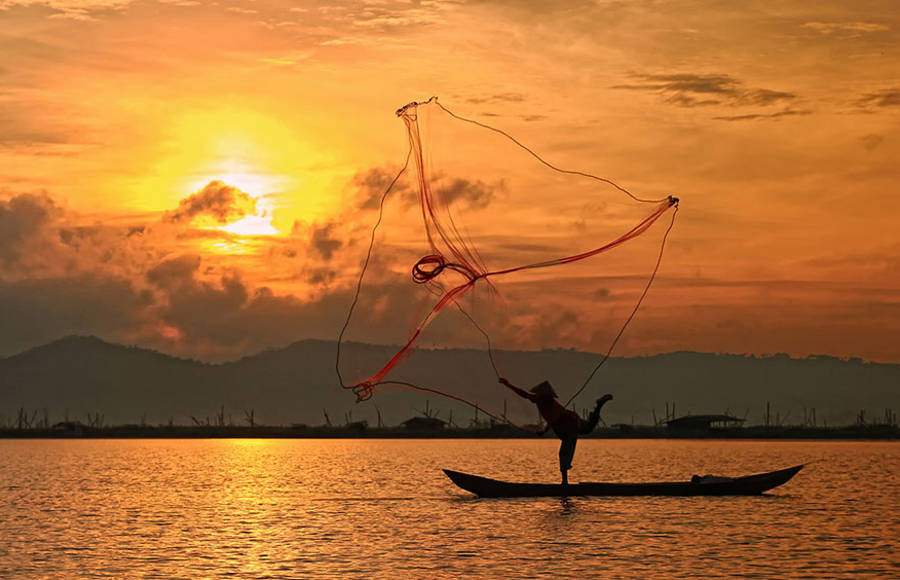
(482, 247)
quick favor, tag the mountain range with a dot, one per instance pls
(77, 375)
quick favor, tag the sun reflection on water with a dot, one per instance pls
(255, 508)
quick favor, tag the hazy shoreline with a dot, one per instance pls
(870, 432)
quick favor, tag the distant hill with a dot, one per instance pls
(76, 375)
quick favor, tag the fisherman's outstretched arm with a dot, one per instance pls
(515, 389)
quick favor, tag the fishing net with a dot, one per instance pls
(482, 246)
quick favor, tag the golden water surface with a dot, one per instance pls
(382, 508)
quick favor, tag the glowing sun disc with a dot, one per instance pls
(252, 225)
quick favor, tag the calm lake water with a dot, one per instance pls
(382, 508)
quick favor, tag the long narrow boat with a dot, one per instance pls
(747, 485)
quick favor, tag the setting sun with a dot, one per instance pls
(256, 152)
(260, 188)
(252, 225)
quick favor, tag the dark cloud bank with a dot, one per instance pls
(138, 283)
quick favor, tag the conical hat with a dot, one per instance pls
(544, 388)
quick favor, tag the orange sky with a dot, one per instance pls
(191, 176)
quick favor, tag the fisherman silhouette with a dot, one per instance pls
(565, 423)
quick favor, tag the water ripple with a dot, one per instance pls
(383, 509)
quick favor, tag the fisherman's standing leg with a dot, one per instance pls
(566, 453)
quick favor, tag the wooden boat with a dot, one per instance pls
(747, 485)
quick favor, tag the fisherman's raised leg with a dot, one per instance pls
(586, 426)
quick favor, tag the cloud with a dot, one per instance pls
(372, 184)
(320, 276)
(226, 318)
(529, 247)
(391, 16)
(181, 313)
(764, 97)
(36, 311)
(148, 281)
(496, 99)
(476, 194)
(871, 142)
(882, 98)
(81, 10)
(22, 129)
(550, 328)
(223, 203)
(472, 194)
(851, 27)
(174, 272)
(884, 263)
(239, 10)
(320, 244)
(193, 305)
(39, 239)
(21, 219)
(775, 115)
(323, 240)
(699, 90)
